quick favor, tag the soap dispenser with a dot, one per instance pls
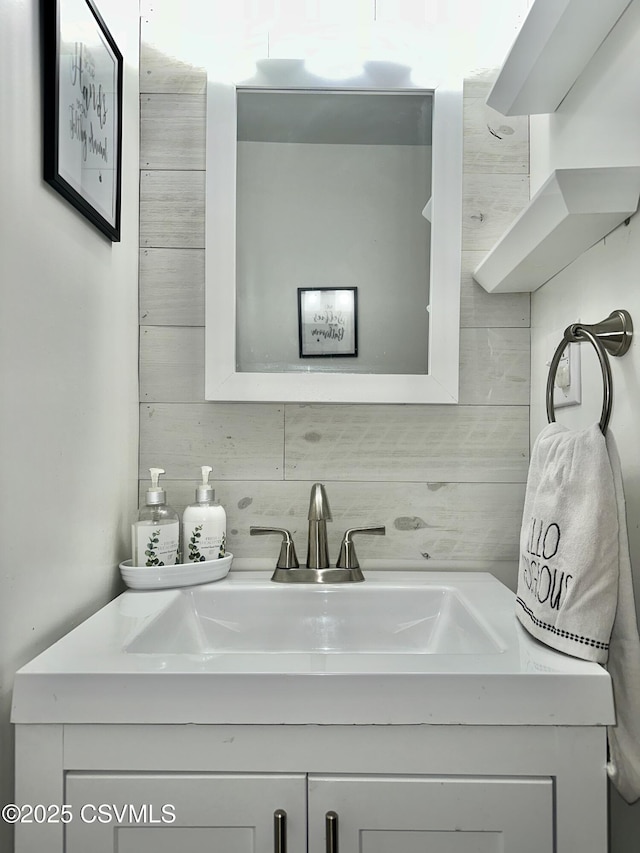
(155, 536)
(204, 524)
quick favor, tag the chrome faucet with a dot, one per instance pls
(318, 569)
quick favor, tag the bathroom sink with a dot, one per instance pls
(268, 618)
(405, 647)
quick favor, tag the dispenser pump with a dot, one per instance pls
(205, 492)
(155, 493)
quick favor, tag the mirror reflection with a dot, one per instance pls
(331, 185)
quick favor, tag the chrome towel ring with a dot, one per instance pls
(612, 336)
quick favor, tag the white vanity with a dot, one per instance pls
(408, 712)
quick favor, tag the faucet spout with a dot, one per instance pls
(319, 514)
(319, 504)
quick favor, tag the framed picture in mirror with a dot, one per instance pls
(328, 321)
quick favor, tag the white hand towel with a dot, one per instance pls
(575, 590)
(568, 574)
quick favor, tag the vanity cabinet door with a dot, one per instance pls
(216, 813)
(439, 814)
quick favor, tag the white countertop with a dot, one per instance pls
(89, 676)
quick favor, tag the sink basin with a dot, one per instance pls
(404, 647)
(265, 618)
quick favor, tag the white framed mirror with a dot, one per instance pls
(282, 249)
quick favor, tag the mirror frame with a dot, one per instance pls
(223, 382)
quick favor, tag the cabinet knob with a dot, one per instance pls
(280, 831)
(331, 831)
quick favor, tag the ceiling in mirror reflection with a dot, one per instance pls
(344, 118)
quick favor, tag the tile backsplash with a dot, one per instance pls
(447, 481)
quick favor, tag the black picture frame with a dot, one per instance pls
(328, 322)
(82, 111)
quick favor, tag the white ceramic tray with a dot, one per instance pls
(171, 577)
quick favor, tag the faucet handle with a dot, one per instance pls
(347, 558)
(287, 558)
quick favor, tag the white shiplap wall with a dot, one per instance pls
(447, 481)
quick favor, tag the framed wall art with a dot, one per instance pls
(82, 77)
(328, 321)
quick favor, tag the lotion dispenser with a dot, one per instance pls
(204, 524)
(156, 534)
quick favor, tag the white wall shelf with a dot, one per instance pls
(572, 210)
(554, 45)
